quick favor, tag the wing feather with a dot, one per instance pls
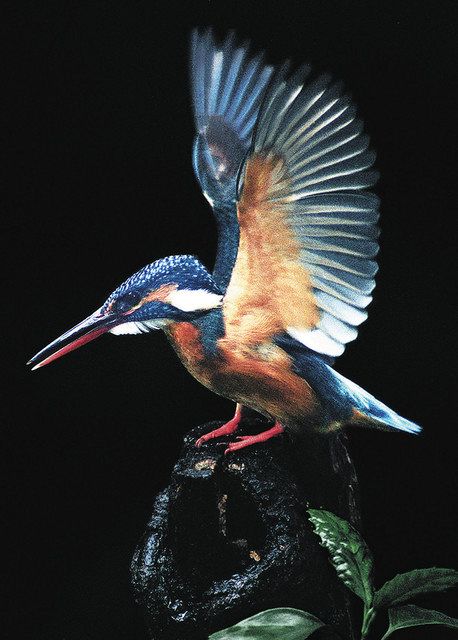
(308, 227)
(227, 85)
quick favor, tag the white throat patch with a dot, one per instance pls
(129, 328)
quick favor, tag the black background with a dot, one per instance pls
(99, 182)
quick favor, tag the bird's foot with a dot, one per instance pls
(225, 429)
(246, 441)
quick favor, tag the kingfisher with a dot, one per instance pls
(282, 159)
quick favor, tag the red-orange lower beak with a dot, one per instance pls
(92, 327)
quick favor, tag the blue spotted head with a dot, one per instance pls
(177, 288)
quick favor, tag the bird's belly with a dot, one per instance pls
(259, 377)
(262, 378)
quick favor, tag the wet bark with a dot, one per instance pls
(229, 536)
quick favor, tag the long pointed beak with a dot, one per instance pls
(92, 327)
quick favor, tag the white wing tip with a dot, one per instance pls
(317, 340)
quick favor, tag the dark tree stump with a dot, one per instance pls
(229, 537)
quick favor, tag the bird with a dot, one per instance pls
(282, 158)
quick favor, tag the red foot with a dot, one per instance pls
(246, 441)
(225, 429)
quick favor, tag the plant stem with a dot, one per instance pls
(368, 618)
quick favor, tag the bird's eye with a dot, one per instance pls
(127, 301)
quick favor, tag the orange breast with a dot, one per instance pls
(185, 339)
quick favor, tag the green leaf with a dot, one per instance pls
(273, 624)
(349, 553)
(405, 586)
(412, 616)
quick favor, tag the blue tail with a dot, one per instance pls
(344, 400)
(373, 410)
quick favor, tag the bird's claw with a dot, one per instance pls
(200, 441)
(225, 429)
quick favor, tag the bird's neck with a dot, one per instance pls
(197, 339)
(228, 243)
(195, 343)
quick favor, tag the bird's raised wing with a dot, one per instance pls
(227, 85)
(227, 88)
(308, 231)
